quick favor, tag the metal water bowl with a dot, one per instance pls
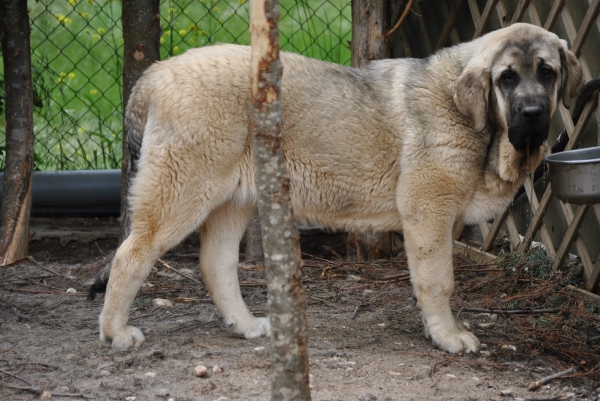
(575, 175)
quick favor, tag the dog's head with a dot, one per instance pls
(515, 80)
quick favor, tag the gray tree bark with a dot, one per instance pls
(287, 302)
(369, 42)
(254, 245)
(16, 196)
(141, 43)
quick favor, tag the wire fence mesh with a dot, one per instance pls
(77, 48)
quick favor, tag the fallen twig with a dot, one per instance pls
(35, 262)
(180, 273)
(431, 371)
(16, 377)
(38, 391)
(355, 310)
(539, 383)
(507, 312)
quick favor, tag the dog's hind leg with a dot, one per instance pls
(219, 256)
(168, 203)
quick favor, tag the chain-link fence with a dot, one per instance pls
(77, 48)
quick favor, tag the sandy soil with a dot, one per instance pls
(366, 340)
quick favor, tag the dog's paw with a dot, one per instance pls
(250, 328)
(129, 337)
(261, 327)
(454, 341)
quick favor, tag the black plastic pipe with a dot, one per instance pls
(75, 193)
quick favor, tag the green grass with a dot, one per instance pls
(77, 50)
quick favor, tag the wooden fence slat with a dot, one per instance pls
(533, 202)
(449, 26)
(502, 14)
(490, 238)
(520, 11)
(594, 277)
(485, 18)
(537, 220)
(586, 24)
(569, 237)
(554, 14)
(533, 15)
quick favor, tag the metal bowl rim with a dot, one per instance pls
(556, 157)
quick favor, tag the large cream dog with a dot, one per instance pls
(411, 145)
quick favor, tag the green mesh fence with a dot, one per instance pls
(77, 48)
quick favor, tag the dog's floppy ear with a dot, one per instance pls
(471, 95)
(571, 75)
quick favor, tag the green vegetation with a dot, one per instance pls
(77, 48)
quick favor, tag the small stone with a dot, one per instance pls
(570, 394)
(506, 393)
(510, 347)
(217, 369)
(494, 317)
(46, 395)
(486, 354)
(162, 303)
(104, 372)
(381, 324)
(162, 392)
(476, 379)
(150, 374)
(466, 324)
(259, 349)
(71, 291)
(352, 277)
(395, 374)
(487, 325)
(200, 370)
(130, 398)
(222, 399)
(483, 346)
(450, 375)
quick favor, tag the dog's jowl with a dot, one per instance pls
(411, 145)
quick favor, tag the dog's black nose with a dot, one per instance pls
(531, 113)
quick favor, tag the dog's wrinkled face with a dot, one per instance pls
(514, 81)
(525, 77)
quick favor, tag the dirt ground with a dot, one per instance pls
(366, 339)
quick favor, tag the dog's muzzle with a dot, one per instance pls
(529, 124)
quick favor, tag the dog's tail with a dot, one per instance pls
(136, 115)
(99, 285)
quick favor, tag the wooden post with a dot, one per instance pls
(369, 25)
(287, 302)
(141, 42)
(16, 195)
(254, 245)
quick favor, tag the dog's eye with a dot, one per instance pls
(546, 71)
(508, 78)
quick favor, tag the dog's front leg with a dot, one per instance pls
(428, 241)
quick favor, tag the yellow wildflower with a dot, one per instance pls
(72, 75)
(167, 33)
(176, 49)
(162, 40)
(101, 31)
(72, 2)
(216, 9)
(182, 32)
(93, 92)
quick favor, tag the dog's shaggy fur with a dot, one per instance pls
(405, 144)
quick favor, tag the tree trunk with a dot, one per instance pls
(141, 36)
(254, 245)
(16, 196)
(369, 24)
(287, 302)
